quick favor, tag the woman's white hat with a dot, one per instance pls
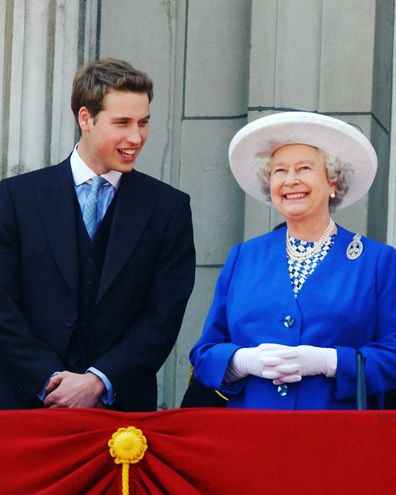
(260, 138)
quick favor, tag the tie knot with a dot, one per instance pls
(96, 182)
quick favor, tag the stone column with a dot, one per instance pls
(391, 237)
(381, 208)
(41, 44)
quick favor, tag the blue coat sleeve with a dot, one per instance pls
(212, 352)
(379, 355)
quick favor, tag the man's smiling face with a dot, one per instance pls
(113, 138)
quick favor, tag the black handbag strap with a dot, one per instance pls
(361, 392)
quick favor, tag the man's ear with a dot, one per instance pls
(84, 119)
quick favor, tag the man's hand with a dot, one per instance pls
(72, 390)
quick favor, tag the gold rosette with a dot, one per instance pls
(127, 446)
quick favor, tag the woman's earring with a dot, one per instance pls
(332, 195)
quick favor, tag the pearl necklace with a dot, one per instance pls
(310, 251)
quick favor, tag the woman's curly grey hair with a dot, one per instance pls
(337, 170)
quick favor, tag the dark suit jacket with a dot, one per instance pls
(146, 280)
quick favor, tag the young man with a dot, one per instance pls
(95, 273)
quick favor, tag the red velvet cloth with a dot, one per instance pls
(200, 451)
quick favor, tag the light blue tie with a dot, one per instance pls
(90, 213)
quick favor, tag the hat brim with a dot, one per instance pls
(260, 138)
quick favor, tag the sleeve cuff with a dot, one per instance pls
(41, 394)
(108, 395)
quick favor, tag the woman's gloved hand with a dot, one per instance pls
(312, 361)
(270, 361)
(281, 363)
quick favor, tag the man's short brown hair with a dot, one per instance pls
(96, 78)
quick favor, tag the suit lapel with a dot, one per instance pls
(135, 201)
(56, 198)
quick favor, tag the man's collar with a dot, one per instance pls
(82, 173)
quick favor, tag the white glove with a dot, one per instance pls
(312, 361)
(265, 361)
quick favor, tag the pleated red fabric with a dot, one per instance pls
(200, 451)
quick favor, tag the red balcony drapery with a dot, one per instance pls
(200, 451)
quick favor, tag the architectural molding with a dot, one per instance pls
(391, 235)
(41, 45)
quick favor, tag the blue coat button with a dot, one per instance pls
(288, 321)
(283, 389)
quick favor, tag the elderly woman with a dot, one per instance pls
(292, 307)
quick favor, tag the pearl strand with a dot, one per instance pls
(296, 255)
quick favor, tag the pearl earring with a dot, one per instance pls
(332, 195)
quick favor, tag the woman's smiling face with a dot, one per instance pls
(299, 184)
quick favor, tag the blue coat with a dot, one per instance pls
(344, 304)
